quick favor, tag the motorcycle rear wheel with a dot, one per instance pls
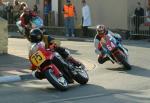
(59, 83)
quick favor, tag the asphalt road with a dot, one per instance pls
(107, 83)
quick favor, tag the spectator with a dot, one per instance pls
(2, 9)
(35, 8)
(138, 17)
(148, 14)
(86, 18)
(47, 9)
(69, 15)
(22, 6)
(9, 9)
(16, 12)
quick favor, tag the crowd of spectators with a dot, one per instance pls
(12, 11)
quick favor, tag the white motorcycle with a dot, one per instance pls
(36, 22)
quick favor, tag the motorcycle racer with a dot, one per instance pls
(36, 36)
(25, 18)
(101, 32)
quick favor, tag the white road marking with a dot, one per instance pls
(13, 78)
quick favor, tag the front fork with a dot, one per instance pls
(123, 49)
(119, 55)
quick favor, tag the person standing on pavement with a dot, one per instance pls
(47, 10)
(69, 16)
(2, 9)
(9, 9)
(16, 10)
(22, 6)
(147, 14)
(86, 18)
(138, 17)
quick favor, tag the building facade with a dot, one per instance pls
(113, 13)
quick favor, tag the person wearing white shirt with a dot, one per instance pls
(86, 18)
(148, 14)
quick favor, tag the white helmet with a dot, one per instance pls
(101, 29)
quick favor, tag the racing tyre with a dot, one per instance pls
(59, 83)
(124, 62)
(126, 65)
(81, 75)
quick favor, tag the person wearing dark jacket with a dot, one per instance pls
(138, 17)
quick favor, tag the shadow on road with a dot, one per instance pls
(117, 69)
(139, 71)
(89, 93)
(136, 70)
(11, 62)
(138, 43)
(93, 93)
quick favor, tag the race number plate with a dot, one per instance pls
(111, 46)
(38, 58)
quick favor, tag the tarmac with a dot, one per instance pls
(10, 64)
(16, 67)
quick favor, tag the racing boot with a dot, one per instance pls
(38, 75)
(102, 59)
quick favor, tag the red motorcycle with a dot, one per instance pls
(115, 51)
(51, 64)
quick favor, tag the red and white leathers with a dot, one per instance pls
(26, 18)
(24, 24)
(98, 47)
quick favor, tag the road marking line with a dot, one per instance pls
(12, 78)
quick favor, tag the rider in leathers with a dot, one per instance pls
(36, 36)
(26, 18)
(101, 32)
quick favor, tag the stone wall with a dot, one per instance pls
(3, 36)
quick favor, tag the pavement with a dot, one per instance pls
(60, 37)
(14, 65)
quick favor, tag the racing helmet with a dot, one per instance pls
(36, 35)
(26, 10)
(101, 29)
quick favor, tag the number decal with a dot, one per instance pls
(38, 58)
(109, 47)
(112, 44)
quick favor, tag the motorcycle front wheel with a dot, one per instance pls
(59, 83)
(124, 62)
(126, 65)
(81, 75)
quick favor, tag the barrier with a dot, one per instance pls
(139, 26)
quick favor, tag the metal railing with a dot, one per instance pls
(139, 26)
